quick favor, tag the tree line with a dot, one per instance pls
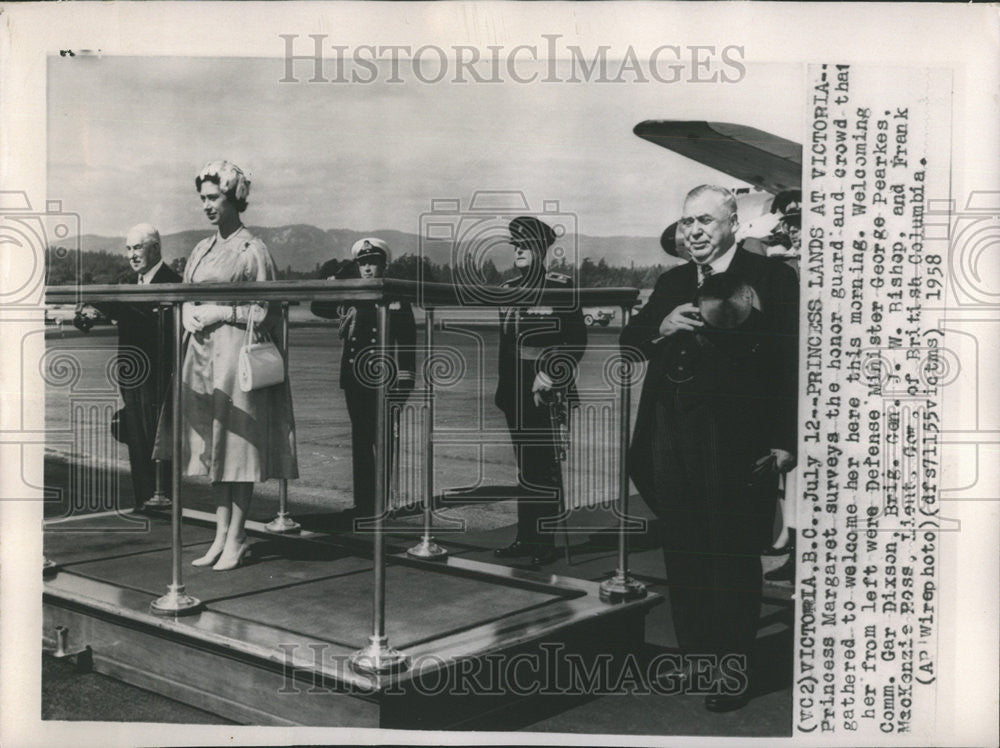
(70, 266)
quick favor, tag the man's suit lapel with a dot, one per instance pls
(691, 275)
(739, 267)
(688, 282)
(749, 268)
(163, 275)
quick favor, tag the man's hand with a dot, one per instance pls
(541, 389)
(85, 317)
(777, 460)
(683, 317)
(783, 461)
(200, 317)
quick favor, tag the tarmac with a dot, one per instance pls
(323, 492)
(71, 695)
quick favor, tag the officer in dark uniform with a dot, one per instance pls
(540, 348)
(359, 332)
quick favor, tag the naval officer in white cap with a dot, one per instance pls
(359, 331)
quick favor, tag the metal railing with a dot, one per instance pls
(379, 656)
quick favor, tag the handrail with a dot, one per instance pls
(372, 290)
(378, 656)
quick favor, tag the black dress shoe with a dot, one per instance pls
(721, 702)
(781, 551)
(517, 549)
(543, 556)
(784, 573)
(788, 547)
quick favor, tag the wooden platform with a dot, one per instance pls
(272, 641)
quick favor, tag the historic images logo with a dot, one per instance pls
(547, 61)
(32, 239)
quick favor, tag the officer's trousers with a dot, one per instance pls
(538, 472)
(361, 403)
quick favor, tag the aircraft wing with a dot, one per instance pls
(746, 153)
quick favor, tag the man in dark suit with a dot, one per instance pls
(359, 332)
(716, 425)
(144, 362)
(540, 347)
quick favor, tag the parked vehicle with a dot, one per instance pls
(600, 317)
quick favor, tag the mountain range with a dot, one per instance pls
(303, 247)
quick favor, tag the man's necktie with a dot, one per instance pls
(703, 272)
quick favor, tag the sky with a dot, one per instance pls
(126, 136)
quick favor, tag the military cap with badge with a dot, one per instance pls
(371, 250)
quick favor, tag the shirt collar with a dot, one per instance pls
(721, 264)
(146, 277)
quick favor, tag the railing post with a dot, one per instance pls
(378, 657)
(283, 522)
(159, 499)
(427, 548)
(621, 587)
(176, 602)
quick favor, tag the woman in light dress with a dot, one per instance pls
(236, 438)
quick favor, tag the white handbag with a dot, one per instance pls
(260, 364)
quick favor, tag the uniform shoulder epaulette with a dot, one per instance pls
(557, 277)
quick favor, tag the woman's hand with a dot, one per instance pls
(206, 315)
(187, 319)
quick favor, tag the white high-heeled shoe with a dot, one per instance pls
(232, 561)
(211, 555)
